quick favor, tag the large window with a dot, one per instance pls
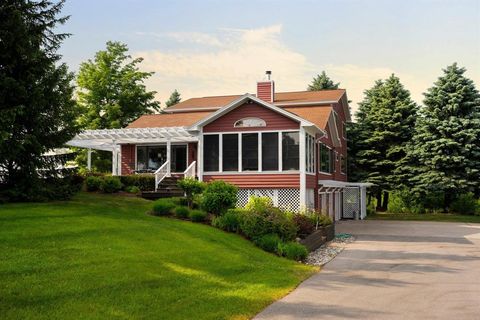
(210, 152)
(326, 159)
(249, 151)
(290, 150)
(270, 151)
(150, 158)
(230, 152)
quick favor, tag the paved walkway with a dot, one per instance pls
(395, 270)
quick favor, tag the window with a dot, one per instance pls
(210, 152)
(344, 130)
(326, 159)
(250, 122)
(250, 151)
(343, 164)
(290, 150)
(269, 151)
(150, 158)
(230, 152)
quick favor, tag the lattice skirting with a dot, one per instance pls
(288, 199)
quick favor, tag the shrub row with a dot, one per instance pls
(173, 207)
(107, 184)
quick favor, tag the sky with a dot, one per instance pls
(221, 47)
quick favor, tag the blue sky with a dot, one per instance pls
(223, 47)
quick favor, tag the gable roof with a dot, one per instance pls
(240, 101)
(316, 115)
(281, 99)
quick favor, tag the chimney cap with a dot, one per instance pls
(268, 73)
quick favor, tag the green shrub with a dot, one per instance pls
(132, 189)
(255, 224)
(163, 207)
(229, 221)
(181, 212)
(179, 201)
(269, 242)
(198, 215)
(111, 184)
(324, 220)
(406, 201)
(145, 182)
(219, 196)
(464, 204)
(191, 187)
(93, 183)
(259, 204)
(293, 251)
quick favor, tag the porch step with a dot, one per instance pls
(166, 189)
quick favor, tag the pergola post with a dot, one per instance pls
(114, 159)
(169, 148)
(89, 159)
(303, 178)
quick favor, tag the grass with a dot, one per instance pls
(101, 257)
(442, 217)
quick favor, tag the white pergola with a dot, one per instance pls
(335, 186)
(111, 139)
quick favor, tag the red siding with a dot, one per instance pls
(259, 180)
(128, 158)
(274, 120)
(311, 181)
(192, 152)
(336, 175)
(265, 91)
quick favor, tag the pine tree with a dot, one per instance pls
(174, 99)
(322, 82)
(385, 123)
(111, 91)
(446, 144)
(38, 112)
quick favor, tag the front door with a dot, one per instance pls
(178, 158)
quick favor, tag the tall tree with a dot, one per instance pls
(111, 89)
(386, 118)
(174, 99)
(446, 144)
(38, 112)
(322, 82)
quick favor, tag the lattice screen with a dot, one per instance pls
(283, 198)
(351, 203)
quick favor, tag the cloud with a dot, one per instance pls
(237, 58)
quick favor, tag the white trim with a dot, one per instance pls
(303, 178)
(240, 148)
(280, 151)
(214, 173)
(200, 156)
(240, 101)
(259, 152)
(250, 131)
(220, 152)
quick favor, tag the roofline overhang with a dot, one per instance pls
(344, 184)
(238, 102)
(307, 103)
(192, 109)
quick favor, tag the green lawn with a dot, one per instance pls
(445, 217)
(102, 257)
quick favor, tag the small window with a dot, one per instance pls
(326, 159)
(343, 164)
(250, 122)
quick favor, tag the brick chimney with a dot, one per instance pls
(266, 88)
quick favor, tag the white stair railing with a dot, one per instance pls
(190, 171)
(161, 173)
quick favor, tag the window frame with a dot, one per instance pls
(331, 160)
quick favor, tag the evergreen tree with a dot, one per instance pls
(446, 145)
(174, 99)
(38, 112)
(111, 91)
(385, 123)
(322, 82)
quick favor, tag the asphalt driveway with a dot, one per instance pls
(395, 270)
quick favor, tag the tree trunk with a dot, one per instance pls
(379, 200)
(385, 201)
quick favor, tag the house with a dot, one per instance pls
(289, 146)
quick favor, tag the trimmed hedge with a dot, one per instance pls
(163, 207)
(293, 251)
(93, 183)
(198, 215)
(111, 184)
(219, 196)
(182, 212)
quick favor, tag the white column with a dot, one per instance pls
(89, 159)
(220, 152)
(280, 146)
(114, 159)
(240, 152)
(200, 157)
(260, 152)
(169, 149)
(303, 178)
(363, 202)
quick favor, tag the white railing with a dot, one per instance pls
(190, 171)
(161, 173)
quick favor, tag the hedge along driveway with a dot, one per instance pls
(101, 256)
